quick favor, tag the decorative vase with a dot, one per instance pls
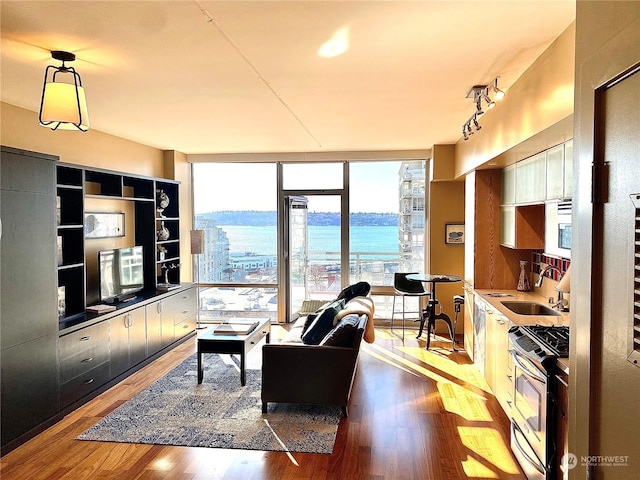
(523, 281)
(163, 233)
(162, 202)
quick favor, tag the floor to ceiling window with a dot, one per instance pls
(235, 205)
(365, 221)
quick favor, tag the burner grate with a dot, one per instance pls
(553, 338)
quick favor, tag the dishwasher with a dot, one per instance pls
(479, 328)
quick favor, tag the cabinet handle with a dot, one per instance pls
(185, 326)
(159, 307)
(87, 382)
(127, 321)
(86, 360)
(185, 311)
(86, 338)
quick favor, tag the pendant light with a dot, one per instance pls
(63, 105)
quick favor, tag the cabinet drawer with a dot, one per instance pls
(84, 361)
(80, 386)
(185, 327)
(84, 339)
(183, 312)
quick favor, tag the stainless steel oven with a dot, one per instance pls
(534, 412)
(529, 417)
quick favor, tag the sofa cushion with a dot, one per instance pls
(343, 333)
(322, 324)
(363, 306)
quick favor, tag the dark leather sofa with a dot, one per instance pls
(293, 372)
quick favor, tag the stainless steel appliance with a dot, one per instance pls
(533, 423)
(558, 229)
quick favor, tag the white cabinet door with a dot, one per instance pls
(508, 193)
(555, 173)
(508, 226)
(531, 179)
(568, 170)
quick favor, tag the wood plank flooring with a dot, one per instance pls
(414, 415)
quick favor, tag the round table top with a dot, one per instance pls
(433, 277)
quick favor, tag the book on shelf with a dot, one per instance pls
(236, 327)
(101, 308)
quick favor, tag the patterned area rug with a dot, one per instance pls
(219, 413)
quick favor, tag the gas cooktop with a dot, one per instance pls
(555, 339)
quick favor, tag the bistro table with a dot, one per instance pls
(430, 312)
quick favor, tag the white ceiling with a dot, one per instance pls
(235, 76)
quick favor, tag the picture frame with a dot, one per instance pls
(103, 224)
(454, 233)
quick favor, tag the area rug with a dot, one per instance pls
(219, 413)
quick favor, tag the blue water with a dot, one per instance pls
(262, 240)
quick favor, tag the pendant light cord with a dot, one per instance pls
(214, 22)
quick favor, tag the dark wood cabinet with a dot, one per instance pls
(128, 340)
(29, 391)
(54, 354)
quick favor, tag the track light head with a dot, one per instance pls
(478, 93)
(499, 94)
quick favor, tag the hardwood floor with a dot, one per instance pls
(414, 414)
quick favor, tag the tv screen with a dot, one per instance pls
(120, 272)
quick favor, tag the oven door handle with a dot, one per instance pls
(533, 462)
(532, 372)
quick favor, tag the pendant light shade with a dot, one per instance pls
(63, 105)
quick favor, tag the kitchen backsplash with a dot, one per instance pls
(561, 264)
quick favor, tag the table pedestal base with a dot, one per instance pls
(429, 315)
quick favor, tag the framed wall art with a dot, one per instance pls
(103, 225)
(454, 233)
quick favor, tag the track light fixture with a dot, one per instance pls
(480, 93)
(63, 105)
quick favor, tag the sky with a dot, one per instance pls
(242, 186)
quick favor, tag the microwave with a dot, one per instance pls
(558, 229)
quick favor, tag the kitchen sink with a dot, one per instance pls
(530, 308)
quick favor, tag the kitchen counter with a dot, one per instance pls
(516, 319)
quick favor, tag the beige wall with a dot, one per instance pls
(20, 129)
(446, 206)
(539, 99)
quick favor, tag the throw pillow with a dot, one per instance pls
(307, 323)
(343, 333)
(322, 324)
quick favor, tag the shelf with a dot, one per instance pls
(71, 266)
(116, 197)
(79, 188)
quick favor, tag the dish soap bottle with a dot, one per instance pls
(523, 281)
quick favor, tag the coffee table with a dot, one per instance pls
(211, 342)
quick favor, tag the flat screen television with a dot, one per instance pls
(121, 273)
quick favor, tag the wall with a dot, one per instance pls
(541, 98)
(607, 43)
(20, 129)
(446, 205)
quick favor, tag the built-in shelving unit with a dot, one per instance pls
(77, 270)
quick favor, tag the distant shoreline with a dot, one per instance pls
(268, 218)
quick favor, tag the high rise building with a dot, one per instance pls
(411, 215)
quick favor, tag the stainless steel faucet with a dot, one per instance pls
(544, 268)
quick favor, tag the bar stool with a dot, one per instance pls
(458, 301)
(404, 287)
